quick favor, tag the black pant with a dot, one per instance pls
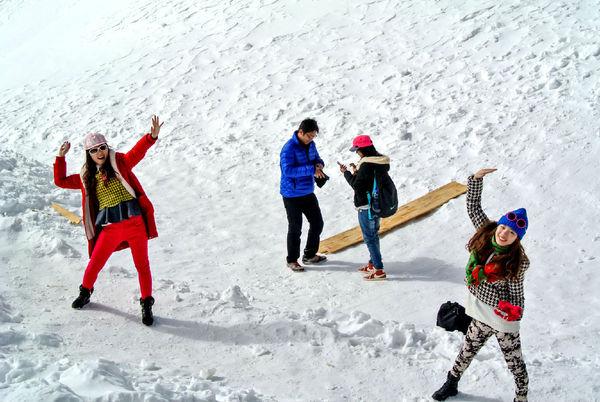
(295, 207)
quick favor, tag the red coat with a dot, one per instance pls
(122, 164)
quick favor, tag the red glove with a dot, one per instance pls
(508, 311)
(492, 272)
(475, 274)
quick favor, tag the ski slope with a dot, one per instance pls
(444, 88)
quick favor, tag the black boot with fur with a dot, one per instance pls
(147, 317)
(83, 298)
(450, 388)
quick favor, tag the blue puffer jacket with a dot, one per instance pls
(297, 162)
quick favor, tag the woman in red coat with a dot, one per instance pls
(117, 214)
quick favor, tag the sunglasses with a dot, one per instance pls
(102, 147)
(521, 224)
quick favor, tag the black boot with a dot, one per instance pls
(450, 388)
(83, 298)
(147, 317)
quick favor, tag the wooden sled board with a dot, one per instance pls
(73, 218)
(405, 213)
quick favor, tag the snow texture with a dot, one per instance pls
(444, 88)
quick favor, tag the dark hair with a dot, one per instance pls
(89, 176)
(369, 151)
(308, 125)
(481, 244)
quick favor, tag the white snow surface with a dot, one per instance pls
(444, 87)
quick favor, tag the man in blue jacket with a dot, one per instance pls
(300, 164)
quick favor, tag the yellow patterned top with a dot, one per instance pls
(112, 193)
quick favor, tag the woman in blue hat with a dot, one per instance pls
(494, 278)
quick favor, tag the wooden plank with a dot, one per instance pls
(405, 214)
(73, 218)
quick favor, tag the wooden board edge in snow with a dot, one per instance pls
(73, 218)
(406, 213)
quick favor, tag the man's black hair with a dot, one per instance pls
(308, 125)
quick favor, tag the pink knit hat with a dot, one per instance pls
(361, 141)
(93, 139)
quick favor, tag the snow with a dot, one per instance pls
(443, 87)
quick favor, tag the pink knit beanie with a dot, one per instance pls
(93, 139)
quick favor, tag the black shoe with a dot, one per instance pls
(147, 317)
(83, 298)
(314, 259)
(450, 388)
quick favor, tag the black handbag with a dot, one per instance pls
(452, 317)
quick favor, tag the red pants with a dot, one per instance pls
(133, 231)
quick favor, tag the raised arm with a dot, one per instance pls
(137, 153)
(60, 170)
(474, 190)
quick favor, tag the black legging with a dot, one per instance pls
(510, 344)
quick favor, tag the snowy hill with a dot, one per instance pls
(444, 88)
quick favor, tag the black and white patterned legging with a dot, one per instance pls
(510, 344)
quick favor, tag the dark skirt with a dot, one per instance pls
(118, 213)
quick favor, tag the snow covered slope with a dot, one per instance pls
(443, 87)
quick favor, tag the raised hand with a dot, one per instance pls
(480, 173)
(156, 125)
(64, 148)
(343, 167)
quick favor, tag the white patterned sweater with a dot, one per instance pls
(510, 290)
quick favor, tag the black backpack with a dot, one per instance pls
(383, 199)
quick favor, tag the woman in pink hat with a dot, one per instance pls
(372, 164)
(495, 300)
(117, 214)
